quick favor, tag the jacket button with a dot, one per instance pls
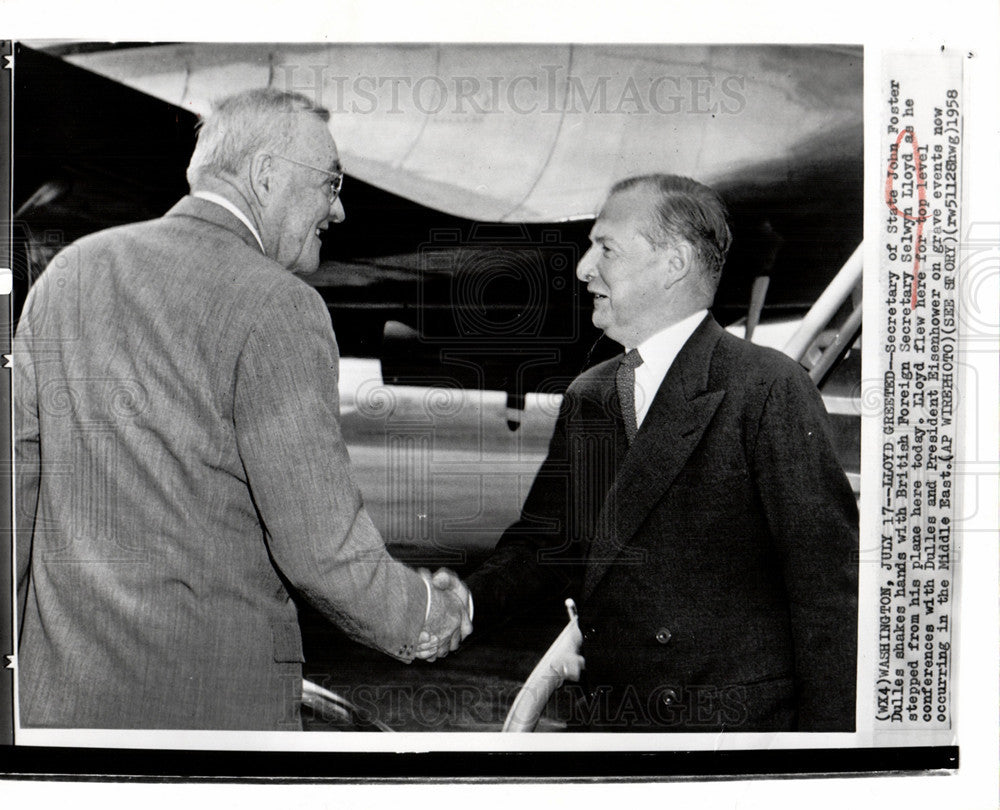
(663, 635)
(669, 697)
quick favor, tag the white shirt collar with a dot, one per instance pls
(218, 199)
(658, 354)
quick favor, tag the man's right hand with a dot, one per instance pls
(448, 620)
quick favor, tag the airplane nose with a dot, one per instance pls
(337, 213)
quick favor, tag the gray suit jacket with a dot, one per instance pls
(714, 561)
(180, 471)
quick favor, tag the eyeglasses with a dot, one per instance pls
(336, 178)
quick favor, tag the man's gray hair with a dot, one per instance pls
(243, 124)
(688, 210)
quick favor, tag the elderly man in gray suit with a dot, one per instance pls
(180, 467)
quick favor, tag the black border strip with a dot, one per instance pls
(106, 764)
(7, 567)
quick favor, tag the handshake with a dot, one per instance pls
(449, 615)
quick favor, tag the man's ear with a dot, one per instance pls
(261, 177)
(678, 260)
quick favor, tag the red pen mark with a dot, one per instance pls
(921, 205)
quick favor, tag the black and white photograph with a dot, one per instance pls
(558, 409)
(239, 471)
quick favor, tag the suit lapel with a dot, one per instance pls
(675, 423)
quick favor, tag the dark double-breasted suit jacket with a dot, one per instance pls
(180, 473)
(714, 561)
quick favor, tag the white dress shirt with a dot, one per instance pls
(218, 199)
(658, 353)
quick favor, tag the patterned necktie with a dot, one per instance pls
(625, 378)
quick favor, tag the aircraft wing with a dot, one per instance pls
(532, 133)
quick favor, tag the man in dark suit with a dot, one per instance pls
(691, 501)
(180, 467)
